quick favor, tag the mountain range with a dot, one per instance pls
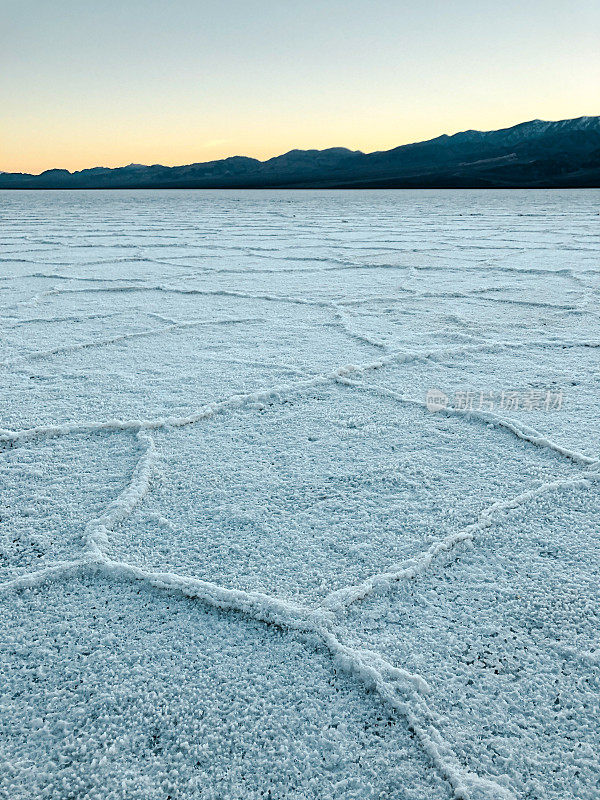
(534, 154)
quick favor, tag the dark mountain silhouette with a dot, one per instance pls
(532, 154)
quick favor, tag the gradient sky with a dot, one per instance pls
(109, 82)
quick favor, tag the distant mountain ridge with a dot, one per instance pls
(528, 155)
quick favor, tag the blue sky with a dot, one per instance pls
(87, 83)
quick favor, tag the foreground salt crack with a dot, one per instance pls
(396, 687)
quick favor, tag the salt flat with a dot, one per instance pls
(241, 556)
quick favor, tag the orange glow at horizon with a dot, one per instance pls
(33, 152)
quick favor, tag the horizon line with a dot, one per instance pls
(302, 150)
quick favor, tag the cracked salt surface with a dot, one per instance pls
(238, 556)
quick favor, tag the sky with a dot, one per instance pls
(109, 82)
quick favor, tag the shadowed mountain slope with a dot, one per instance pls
(531, 154)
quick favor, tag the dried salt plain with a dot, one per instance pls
(239, 557)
